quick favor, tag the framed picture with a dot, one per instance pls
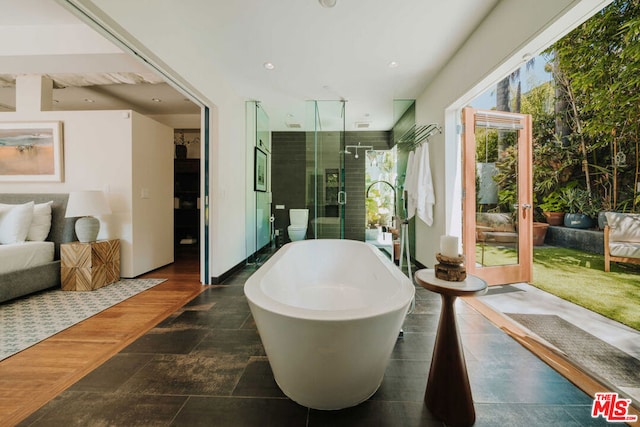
(31, 151)
(260, 170)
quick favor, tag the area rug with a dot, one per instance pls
(503, 289)
(29, 320)
(586, 350)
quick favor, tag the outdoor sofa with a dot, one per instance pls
(621, 238)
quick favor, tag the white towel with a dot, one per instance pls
(409, 185)
(425, 197)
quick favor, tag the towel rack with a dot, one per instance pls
(417, 134)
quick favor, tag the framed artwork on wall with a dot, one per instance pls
(31, 151)
(260, 171)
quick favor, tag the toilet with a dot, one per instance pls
(298, 228)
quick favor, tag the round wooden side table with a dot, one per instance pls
(448, 394)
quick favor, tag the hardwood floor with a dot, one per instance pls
(34, 376)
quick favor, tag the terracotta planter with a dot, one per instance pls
(539, 233)
(554, 218)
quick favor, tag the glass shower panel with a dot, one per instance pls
(326, 198)
(258, 226)
(263, 192)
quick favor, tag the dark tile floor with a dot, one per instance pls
(205, 366)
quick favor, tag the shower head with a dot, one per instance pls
(356, 147)
(327, 3)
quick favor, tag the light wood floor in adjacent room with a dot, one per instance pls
(36, 375)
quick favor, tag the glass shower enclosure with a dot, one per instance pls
(325, 194)
(322, 190)
(259, 240)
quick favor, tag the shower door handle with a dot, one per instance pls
(342, 197)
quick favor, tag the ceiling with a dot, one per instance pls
(366, 52)
(88, 72)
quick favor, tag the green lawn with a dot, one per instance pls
(579, 277)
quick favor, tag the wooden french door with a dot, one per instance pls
(497, 204)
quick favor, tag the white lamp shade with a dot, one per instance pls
(87, 203)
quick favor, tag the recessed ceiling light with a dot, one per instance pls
(327, 3)
(89, 100)
(269, 65)
(393, 64)
(156, 99)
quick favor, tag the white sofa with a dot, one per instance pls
(621, 238)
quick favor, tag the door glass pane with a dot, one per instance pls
(496, 197)
(325, 169)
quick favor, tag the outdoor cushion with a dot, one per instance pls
(501, 236)
(624, 227)
(495, 221)
(624, 249)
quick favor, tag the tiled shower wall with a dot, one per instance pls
(288, 177)
(288, 165)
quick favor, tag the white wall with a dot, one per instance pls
(151, 195)
(513, 29)
(98, 155)
(178, 121)
(228, 188)
(173, 52)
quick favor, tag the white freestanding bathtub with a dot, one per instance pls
(329, 313)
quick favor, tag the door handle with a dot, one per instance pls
(342, 197)
(524, 206)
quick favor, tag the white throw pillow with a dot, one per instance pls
(41, 222)
(15, 222)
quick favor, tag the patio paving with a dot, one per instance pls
(523, 298)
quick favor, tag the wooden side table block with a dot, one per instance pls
(448, 394)
(89, 266)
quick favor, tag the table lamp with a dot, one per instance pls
(85, 204)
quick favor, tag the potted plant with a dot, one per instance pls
(606, 202)
(373, 230)
(581, 209)
(539, 233)
(553, 208)
(181, 143)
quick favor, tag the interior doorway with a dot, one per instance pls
(187, 193)
(497, 203)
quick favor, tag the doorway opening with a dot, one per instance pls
(186, 193)
(497, 207)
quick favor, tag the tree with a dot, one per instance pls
(596, 69)
(503, 90)
(503, 99)
(502, 94)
